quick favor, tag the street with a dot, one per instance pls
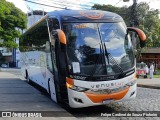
(146, 100)
(17, 95)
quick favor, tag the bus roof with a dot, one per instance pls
(80, 16)
(85, 15)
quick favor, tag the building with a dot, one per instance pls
(5, 56)
(34, 16)
(151, 55)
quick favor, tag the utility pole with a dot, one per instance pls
(134, 19)
(134, 22)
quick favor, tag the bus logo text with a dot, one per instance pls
(118, 84)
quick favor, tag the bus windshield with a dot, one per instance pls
(98, 48)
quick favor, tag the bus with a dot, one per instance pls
(81, 57)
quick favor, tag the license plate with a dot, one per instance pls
(108, 101)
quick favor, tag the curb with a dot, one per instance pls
(9, 69)
(148, 86)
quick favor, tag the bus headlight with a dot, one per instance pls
(76, 88)
(79, 89)
(131, 83)
(70, 84)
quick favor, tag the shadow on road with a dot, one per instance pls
(94, 111)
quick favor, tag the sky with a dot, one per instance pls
(75, 4)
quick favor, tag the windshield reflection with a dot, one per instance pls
(86, 54)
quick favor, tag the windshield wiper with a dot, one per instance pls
(113, 62)
(110, 61)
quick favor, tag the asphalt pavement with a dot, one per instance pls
(11, 78)
(17, 95)
(153, 83)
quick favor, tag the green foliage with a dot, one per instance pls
(148, 20)
(123, 11)
(12, 20)
(150, 24)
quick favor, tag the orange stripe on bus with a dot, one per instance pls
(70, 81)
(61, 36)
(96, 98)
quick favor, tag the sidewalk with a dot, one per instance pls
(149, 83)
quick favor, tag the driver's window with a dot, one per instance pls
(53, 24)
(48, 56)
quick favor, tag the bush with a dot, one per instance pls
(157, 72)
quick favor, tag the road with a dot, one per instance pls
(147, 100)
(16, 95)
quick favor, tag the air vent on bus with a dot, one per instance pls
(132, 93)
(78, 100)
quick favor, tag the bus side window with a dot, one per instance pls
(53, 24)
(36, 39)
(48, 56)
(52, 47)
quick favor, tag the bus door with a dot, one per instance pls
(59, 62)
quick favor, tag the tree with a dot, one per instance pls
(123, 11)
(149, 22)
(147, 19)
(12, 20)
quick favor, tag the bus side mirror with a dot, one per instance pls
(140, 34)
(61, 36)
(62, 52)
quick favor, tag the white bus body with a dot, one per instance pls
(81, 71)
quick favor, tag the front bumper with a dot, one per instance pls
(83, 99)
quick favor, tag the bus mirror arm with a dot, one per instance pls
(140, 34)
